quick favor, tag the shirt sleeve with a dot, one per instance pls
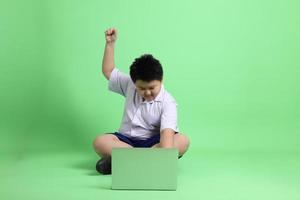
(169, 116)
(119, 82)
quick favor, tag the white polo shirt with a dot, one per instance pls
(142, 119)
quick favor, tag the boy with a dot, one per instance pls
(150, 113)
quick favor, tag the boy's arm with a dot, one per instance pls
(167, 138)
(108, 63)
(168, 124)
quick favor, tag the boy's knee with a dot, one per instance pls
(102, 140)
(184, 144)
(99, 141)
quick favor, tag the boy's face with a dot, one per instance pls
(148, 90)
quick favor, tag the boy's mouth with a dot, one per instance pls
(148, 98)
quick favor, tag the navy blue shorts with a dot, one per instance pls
(138, 142)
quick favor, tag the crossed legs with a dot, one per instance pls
(103, 144)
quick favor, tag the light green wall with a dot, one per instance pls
(233, 67)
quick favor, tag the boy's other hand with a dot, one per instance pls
(111, 35)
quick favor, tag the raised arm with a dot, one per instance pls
(108, 62)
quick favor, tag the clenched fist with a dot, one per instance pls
(111, 35)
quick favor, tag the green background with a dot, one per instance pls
(233, 67)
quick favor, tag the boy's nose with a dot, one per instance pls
(147, 93)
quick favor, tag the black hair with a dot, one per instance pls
(146, 68)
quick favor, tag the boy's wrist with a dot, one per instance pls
(110, 44)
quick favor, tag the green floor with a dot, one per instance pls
(232, 66)
(201, 175)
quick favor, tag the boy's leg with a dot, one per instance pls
(103, 144)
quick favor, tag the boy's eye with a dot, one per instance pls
(152, 88)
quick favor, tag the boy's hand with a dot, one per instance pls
(111, 35)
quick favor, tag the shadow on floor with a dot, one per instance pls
(87, 164)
